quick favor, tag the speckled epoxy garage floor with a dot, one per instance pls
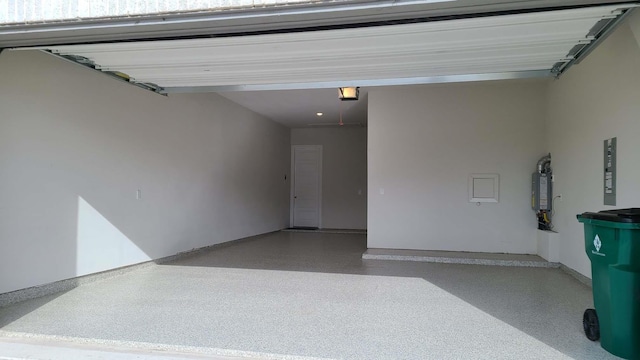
(311, 295)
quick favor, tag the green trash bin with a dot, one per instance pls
(612, 243)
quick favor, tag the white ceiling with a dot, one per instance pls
(298, 108)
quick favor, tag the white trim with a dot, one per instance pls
(320, 188)
(496, 188)
(292, 184)
(293, 181)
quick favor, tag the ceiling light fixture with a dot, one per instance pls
(319, 114)
(348, 93)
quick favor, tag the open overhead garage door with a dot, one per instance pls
(49, 22)
(493, 47)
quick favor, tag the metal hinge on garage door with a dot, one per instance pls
(81, 60)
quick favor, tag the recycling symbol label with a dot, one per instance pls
(597, 243)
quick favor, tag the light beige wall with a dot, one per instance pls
(425, 141)
(344, 174)
(75, 146)
(595, 100)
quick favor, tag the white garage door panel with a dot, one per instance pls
(408, 56)
(355, 75)
(507, 43)
(349, 41)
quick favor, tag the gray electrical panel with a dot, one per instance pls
(610, 150)
(541, 192)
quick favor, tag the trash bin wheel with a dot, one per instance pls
(591, 324)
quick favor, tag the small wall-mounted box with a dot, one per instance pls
(484, 188)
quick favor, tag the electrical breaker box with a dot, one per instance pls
(541, 193)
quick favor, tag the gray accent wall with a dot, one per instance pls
(344, 174)
(425, 142)
(75, 148)
(594, 101)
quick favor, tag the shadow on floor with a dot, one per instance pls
(283, 307)
(546, 304)
(13, 312)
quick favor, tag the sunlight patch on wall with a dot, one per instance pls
(100, 245)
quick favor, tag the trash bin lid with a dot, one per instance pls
(631, 215)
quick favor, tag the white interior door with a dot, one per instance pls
(306, 187)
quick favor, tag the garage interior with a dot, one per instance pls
(148, 167)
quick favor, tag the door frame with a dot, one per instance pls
(293, 182)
